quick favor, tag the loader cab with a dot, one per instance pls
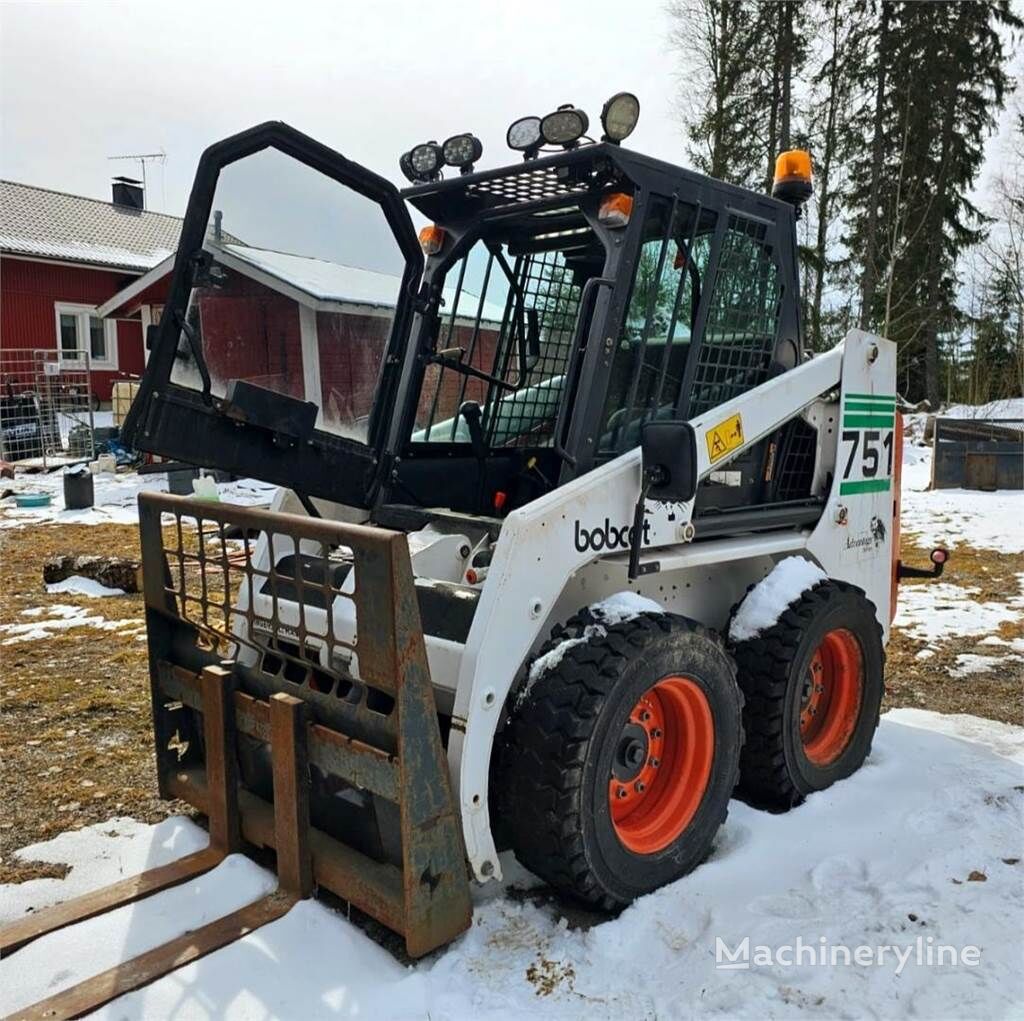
(591, 292)
(547, 310)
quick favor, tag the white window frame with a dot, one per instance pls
(82, 314)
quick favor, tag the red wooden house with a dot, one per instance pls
(306, 327)
(62, 257)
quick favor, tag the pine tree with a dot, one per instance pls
(718, 45)
(939, 82)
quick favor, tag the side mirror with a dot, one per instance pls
(669, 451)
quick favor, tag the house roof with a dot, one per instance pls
(47, 224)
(322, 285)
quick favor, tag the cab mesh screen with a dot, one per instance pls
(739, 338)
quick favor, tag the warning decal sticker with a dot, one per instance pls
(724, 438)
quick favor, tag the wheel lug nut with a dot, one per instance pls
(656, 732)
(819, 688)
(621, 793)
(654, 762)
(639, 786)
(645, 716)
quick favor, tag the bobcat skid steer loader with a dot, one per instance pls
(531, 462)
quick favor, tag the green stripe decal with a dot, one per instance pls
(866, 421)
(865, 486)
(878, 409)
(884, 398)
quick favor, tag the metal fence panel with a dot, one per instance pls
(46, 406)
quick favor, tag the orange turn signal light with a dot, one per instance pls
(615, 209)
(432, 239)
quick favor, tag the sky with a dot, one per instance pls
(81, 82)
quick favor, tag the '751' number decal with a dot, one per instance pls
(868, 461)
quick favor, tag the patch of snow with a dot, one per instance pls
(99, 854)
(613, 610)
(968, 663)
(1016, 644)
(63, 618)
(115, 498)
(880, 859)
(768, 599)
(99, 943)
(955, 517)
(542, 664)
(624, 606)
(932, 611)
(1011, 407)
(84, 587)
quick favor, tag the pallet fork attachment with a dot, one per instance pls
(225, 838)
(426, 899)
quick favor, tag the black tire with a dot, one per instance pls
(774, 672)
(555, 756)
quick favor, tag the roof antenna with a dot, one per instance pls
(141, 157)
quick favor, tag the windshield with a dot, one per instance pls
(295, 292)
(510, 316)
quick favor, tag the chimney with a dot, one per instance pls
(128, 193)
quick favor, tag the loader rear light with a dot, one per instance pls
(615, 209)
(793, 177)
(432, 239)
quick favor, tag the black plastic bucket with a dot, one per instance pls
(78, 490)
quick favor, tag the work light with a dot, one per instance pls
(619, 116)
(462, 151)
(524, 135)
(422, 162)
(565, 126)
(405, 162)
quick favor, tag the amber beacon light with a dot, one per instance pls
(793, 177)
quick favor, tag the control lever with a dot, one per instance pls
(470, 411)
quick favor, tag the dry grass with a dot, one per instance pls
(928, 683)
(75, 742)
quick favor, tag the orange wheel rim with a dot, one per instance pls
(662, 765)
(831, 697)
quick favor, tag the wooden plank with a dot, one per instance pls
(94, 992)
(221, 764)
(291, 793)
(126, 891)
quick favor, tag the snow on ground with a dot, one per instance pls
(115, 498)
(952, 517)
(921, 848)
(83, 587)
(60, 618)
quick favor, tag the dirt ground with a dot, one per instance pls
(75, 743)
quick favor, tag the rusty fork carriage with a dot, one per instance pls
(259, 715)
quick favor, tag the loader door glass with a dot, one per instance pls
(295, 291)
(739, 338)
(650, 360)
(494, 298)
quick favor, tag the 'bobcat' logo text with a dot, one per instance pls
(607, 537)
